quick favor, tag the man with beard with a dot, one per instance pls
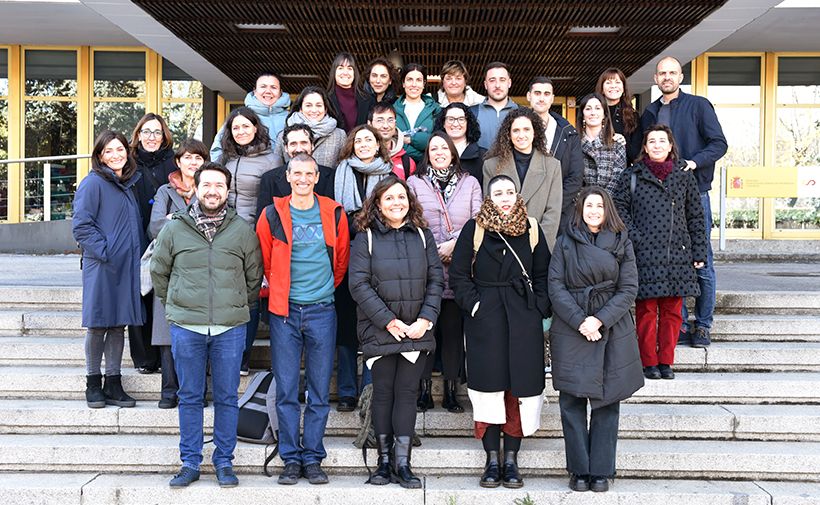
(492, 111)
(382, 117)
(206, 270)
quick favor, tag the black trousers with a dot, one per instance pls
(590, 451)
(449, 333)
(395, 387)
(170, 385)
(143, 354)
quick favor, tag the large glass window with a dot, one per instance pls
(119, 90)
(4, 134)
(181, 102)
(797, 135)
(50, 113)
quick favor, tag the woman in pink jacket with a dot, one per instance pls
(450, 197)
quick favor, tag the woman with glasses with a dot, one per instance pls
(462, 127)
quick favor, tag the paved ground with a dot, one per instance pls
(64, 270)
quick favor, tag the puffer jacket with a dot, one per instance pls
(394, 275)
(594, 276)
(202, 282)
(272, 117)
(246, 174)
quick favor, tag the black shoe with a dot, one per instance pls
(579, 482)
(114, 395)
(381, 476)
(185, 477)
(651, 372)
(401, 463)
(701, 338)
(684, 337)
(290, 475)
(346, 404)
(450, 401)
(226, 477)
(425, 399)
(144, 370)
(492, 471)
(510, 476)
(314, 474)
(167, 403)
(94, 396)
(666, 372)
(598, 484)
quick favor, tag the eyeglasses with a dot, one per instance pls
(382, 121)
(151, 133)
(455, 120)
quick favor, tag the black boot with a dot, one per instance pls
(401, 463)
(114, 395)
(492, 471)
(511, 477)
(450, 401)
(382, 474)
(94, 397)
(425, 399)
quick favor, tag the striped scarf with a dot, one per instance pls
(205, 223)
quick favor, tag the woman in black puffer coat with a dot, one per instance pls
(593, 281)
(396, 278)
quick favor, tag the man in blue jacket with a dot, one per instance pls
(492, 111)
(701, 143)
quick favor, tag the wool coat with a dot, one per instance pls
(542, 189)
(446, 220)
(667, 227)
(155, 168)
(108, 227)
(594, 276)
(472, 161)
(505, 336)
(246, 174)
(394, 275)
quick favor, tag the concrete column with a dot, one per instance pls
(209, 119)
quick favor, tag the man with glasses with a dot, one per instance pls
(382, 117)
(305, 246)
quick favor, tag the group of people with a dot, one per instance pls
(415, 232)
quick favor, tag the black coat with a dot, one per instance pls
(402, 278)
(594, 276)
(667, 228)
(566, 146)
(505, 337)
(274, 184)
(633, 139)
(472, 161)
(155, 168)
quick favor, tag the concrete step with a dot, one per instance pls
(39, 297)
(767, 302)
(766, 327)
(101, 489)
(437, 456)
(641, 421)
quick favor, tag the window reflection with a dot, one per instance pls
(51, 73)
(181, 102)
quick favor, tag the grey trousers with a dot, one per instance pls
(108, 341)
(590, 450)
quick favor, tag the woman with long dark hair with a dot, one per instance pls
(379, 81)
(314, 108)
(625, 119)
(345, 92)
(416, 111)
(604, 150)
(396, 279)
(108, 227)
(462, 127)
(592, 284)
(450, 197)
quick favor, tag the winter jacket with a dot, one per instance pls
(278, 246)
(489, 120)
(246, 174)
(697, 132)
(471, 97)
(447, 220)
(274, 184)
(594, 276)
(542, 189)
(155, 168)
(272, 117)
(426, 120)
(667, 228)
(394, 275)
(472, 161)
(108, 227)
(505, 336)
(566, 147)
(207, 283)
(166, 201)
(325, 149)
(634, 140)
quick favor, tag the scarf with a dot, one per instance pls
(444, 180)
(175, 180)
(346, 189)
(660, 169)
(491, 218)
(205, 223)
(321, 129)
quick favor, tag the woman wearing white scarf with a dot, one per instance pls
(314, 109)
(365, 161)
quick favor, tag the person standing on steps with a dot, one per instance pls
(305, 250)
(108, 227)
(491, 112)
(207, 270)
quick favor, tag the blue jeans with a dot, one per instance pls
(312, 328)
(251, 328)
(705, 303)
(191, 352)
(347, 373)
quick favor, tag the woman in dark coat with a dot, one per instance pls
(658, 200)
(345, 92)
(462, 127)
(592, 283)
(108, 227)
(505, 302)
(625, 119)
(396, 278)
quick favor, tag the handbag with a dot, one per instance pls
(146, 285)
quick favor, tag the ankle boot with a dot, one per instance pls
(382, 474)
(401, 463)
(450, 401)
(492, 471)
(94, 397)
(114, 395)
(511, 477)
(425, 399)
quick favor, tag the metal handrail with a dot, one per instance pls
(46, 175)
(47, 158)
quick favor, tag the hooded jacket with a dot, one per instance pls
(272, 117)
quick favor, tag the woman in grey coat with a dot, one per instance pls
(593, 282)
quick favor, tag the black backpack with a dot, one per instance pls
(258, 422)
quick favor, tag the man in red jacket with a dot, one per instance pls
(305, 246)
